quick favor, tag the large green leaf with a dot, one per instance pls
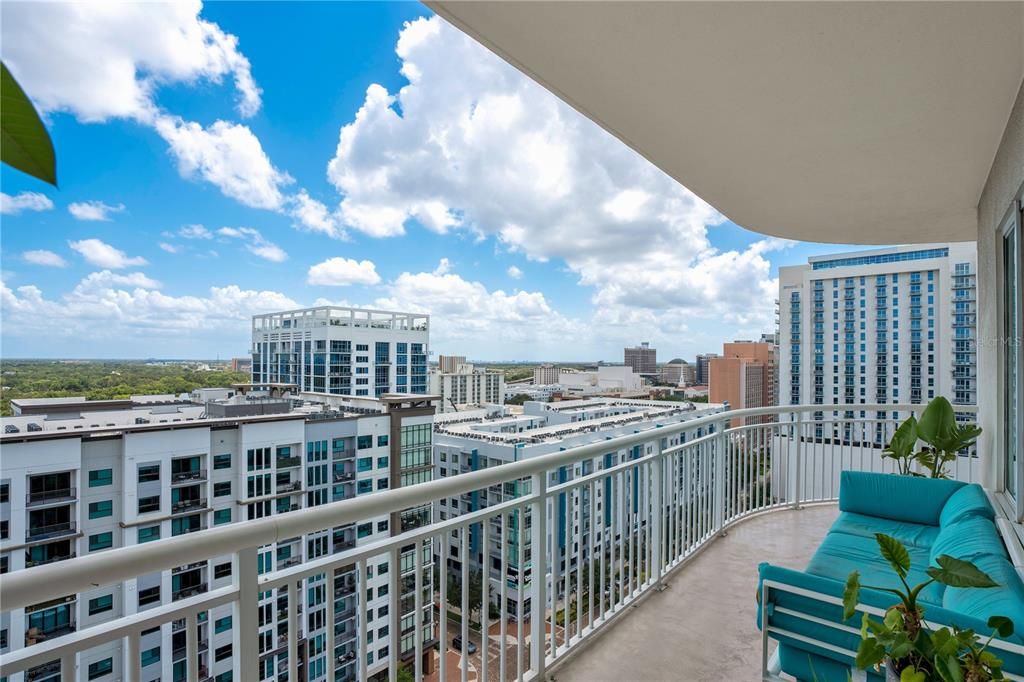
(894, 552)
(949, 669)
(1002, 625)
(936, 421)
(24, 142)
(851, 593)
(959, 573)
(869, 653)
(903, 441)
(912, 674)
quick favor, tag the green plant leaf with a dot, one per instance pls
(959, 573)
(894, 552)
(902, 444)
(912, 674)
(948, 668)
(1002, 625)
(869, 653)
(24, 142)
(851, 594)
(936, 421)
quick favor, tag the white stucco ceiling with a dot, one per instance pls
(830, 121)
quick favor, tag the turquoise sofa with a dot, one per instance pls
(931, 517)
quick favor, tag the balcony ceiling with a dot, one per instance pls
(873, 123)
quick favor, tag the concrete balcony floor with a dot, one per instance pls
(702, 626)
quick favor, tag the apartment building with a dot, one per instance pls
(704, 368)
(545, 375)
(449, 364)
(642, 359)
(465, 442)
(743, 375)
(341, 351)
(76, 483)
(466, 385)
(892, 325)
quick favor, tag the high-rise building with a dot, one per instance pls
(893, 325)
(449, 364)
(466, 385)
(642, 359)
(84, 483)
(703, 374)
(342, 351)
(545, 375)
(742, 376)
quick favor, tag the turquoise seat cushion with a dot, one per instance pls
(808, 667)
(969, 500)
(900, 498)
(916, 534)
(1005, 600)
(970, 537)
(841, 553)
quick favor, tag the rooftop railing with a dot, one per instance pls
(620, 514)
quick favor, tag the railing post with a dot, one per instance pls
(658, 512)
(797, 468)
(538, 573)
(247, 623)
(719, 489)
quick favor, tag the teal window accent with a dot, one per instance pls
(382, 484)
(221, 516)
(101, 541)
(149, 533)
(382, 440)
(179, 671)
(364, 530)
(222, 461)
(221, 489)
(364, 464)
(363, 442)
(150, 656)
(223, 677)
(101, 509)
(100, 477)
(222, 624)
(101, 604)
(382, 462)
(101, 668)
(364, 487)
(338, 444)
(185, 524)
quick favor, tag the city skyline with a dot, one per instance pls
(239, 183)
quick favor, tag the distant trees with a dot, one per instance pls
(475, 587)
(517, 399)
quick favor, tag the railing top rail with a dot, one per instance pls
(31, 586)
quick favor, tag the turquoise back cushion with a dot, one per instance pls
(969, 500)
(981, 603)
(900, 498)
(968, 538)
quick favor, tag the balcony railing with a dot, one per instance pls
(663, 494)
(188, 476)
(53, 530)
(41, 497)
(185, 505)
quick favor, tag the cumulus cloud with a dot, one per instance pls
(25, 201)
(104, 255)
(194, 232)
(93, 210)
(44, 257)
(343, 272)
(169, 248)
(312, 215)
(514, 272)
(509, 160)
(255, 243)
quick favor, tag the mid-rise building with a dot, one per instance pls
(466, 385)
(605, 379)
(703, 368)
(449, 364)
(642, 359)
(892, 325)
(465, 442)
(342, 351)
(76, 483)
(677, 372)
(545, 374)
(743, 375)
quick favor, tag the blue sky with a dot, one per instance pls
(223, 160)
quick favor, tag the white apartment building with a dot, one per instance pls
(466, 385)
(892, 325)
(545, 374)
(342, 351)
(603, 379)
(469, 441)
(82, 478)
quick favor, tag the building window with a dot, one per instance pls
(363, 442)
(148, 534)
(101, 604)
(99, 510)
(222, 489)
(382, 441)
(222, 652)
(221, 516)
(222, 461)
(100, 477)
(1013, 355)
(150, 656)
(101, 541)
(222, 570)
(149, 595)
(224, 677)
(149, 504)
(101, 668)
(149, 473)
(222, 624)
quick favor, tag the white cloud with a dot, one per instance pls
(43, 257)
(106, 278)
(169, 248)
(104, 255)
(229, 156)
(195, 232)
(509, 160)
(312, 215)
(25, 201)
(107, 60)
(342, 272)
(93, 210)
(514, 272)
(255, 243)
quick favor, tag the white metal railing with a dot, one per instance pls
(613, 517)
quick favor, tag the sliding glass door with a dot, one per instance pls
(1012, 356)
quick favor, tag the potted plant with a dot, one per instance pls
(942, 435)
(901, 640)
